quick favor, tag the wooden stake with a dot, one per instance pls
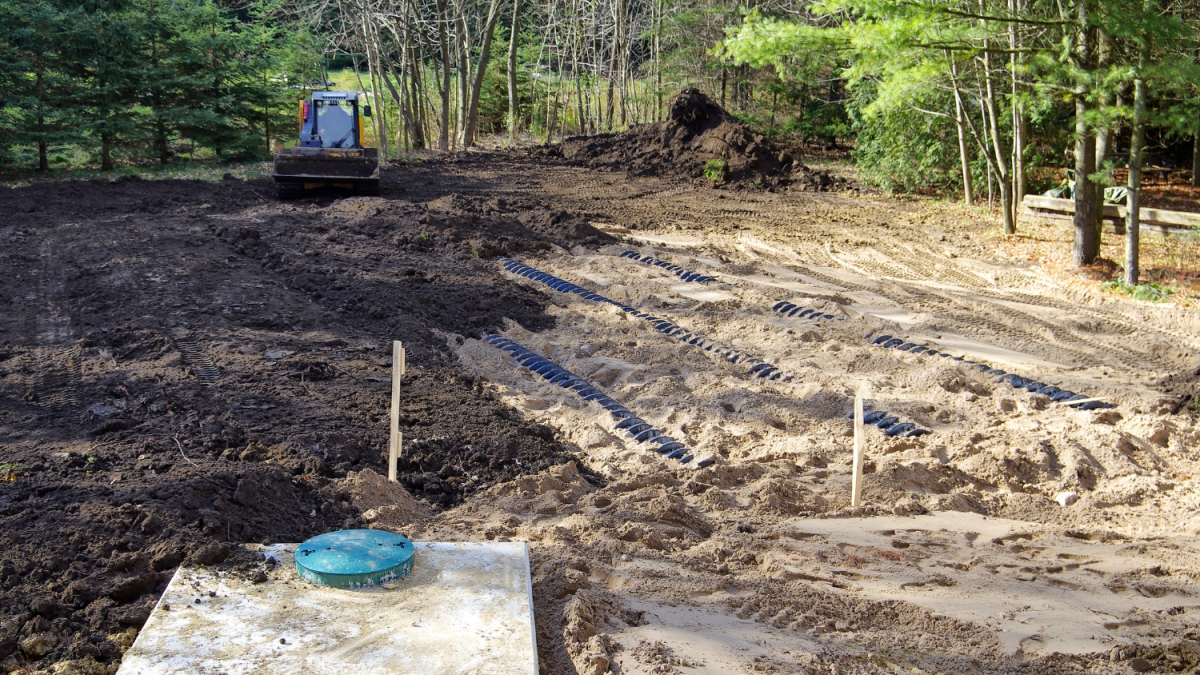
(395, 439)
(856, 482)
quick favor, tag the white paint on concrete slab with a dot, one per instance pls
(465, 608)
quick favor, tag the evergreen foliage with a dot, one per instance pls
(134, 79)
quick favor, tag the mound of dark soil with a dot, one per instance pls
(185, 366)
(699, 141)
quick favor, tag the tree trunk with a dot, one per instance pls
(658, 93)
(512, 72)
(485, 49)
(1018, 145)
(444, 45)
(964, 155)
(1087, 238)
(463, 80)
(386, 68)
(1003, 177)
(43, 158)
(609, 105)
(553, 115)
(417, 96)
(991, 161)
(1137, 146)
(106, 151)
(1104, 133)
(582, 121)
(374, 76)
(164, 148)
(1196, 159)
(774, 106)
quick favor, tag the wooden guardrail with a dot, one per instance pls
(1159, 221)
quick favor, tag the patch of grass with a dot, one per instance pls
(10, 471)
(212, 172)
(1150, 291)
(1194, 404)
(405, 157)
(715, 170)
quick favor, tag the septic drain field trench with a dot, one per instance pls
(832, 337)
(191, 366)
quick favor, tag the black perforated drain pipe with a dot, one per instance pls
(1015, 381)
(758, 368)
(685, 274)
(633, 426)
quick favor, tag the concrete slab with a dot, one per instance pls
(465, 608)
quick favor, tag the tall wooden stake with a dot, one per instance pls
(856, 483)
(396, 438)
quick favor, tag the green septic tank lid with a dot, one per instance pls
(354, 558)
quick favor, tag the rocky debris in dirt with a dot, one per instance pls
(442, 470)
(907, 507)
(84, 666)
(384, 504)
(1181, 390)
(1066, 498)
(494, 227)
(585, 614)
(661, 659)
(698, 141)
(1102, 269)
(38, 645)
(581, 533)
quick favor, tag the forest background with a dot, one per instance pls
(985, 99)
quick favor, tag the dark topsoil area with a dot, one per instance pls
(185, 366)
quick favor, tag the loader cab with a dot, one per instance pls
(332, 120)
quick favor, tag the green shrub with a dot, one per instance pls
(715, 170)
(11, 471)
(1151, 291)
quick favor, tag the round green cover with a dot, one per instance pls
(354, 558)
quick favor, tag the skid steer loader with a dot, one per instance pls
(331, 153)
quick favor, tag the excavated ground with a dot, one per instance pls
(697, 131)
(188, 366)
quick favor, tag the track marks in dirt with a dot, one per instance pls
(193, 355)
(976, 307)
(57, 378)
(910, 253)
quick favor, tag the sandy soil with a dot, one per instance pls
(961, 560)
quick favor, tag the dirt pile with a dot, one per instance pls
(384, 503)
(698, 141)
